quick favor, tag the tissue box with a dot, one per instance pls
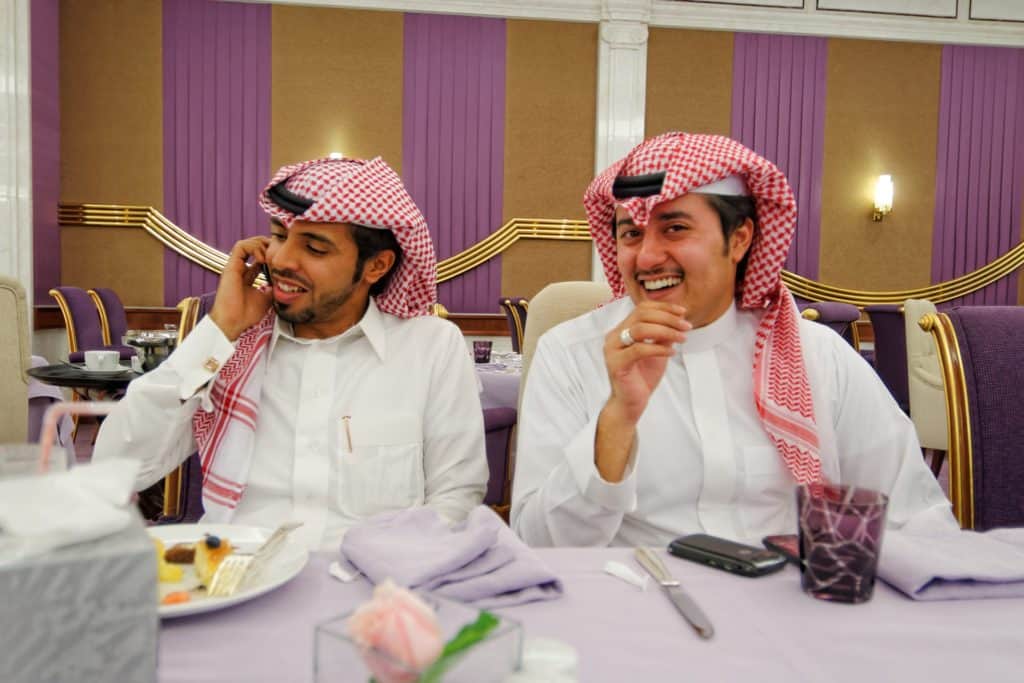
(86, 612)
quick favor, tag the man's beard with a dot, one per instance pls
(317, 311)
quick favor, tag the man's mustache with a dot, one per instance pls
(290, 275)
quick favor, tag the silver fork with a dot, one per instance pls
(233, 571)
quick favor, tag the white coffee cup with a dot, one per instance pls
(102, 360)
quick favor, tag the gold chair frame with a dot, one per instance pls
(517, 320)
(958, 416)
(189, 309)
(65, 312)
(104, 320)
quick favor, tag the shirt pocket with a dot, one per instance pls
(768, 500)
(381, 464)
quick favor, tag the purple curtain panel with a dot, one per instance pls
(778, 110)
(453, 141)
(45, 61)
(216, 128)
(979, 175)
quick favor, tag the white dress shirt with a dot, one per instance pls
(382, 417)
(702, 462)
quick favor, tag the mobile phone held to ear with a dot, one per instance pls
(721, 553)
(786, 545)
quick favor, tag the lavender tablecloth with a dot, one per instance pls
(766, 630)
(499, 385)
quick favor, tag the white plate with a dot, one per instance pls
(119, 371)
(282, 568)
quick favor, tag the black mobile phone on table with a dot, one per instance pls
(787, 545)
(730, 556)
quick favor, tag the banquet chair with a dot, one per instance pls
(498, 425)
(439, 310)
(926, 393)
(982, 362)
(182, 490)
(556, 303)
(891, 350)
(840, 317)
(113, 320)
(515, 309)
(15, 359)
(83, 324)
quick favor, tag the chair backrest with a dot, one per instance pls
(839, 316)
(439, 310)
(556, 303)
(891, 350)
(82, 320)
(113, 319)
(15, 360)
(498, 424)
(515, 309)
(925, 391)
(982, 361)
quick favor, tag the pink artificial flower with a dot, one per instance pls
(397, 632)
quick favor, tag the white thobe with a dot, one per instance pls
(382, 417)
(702, 461)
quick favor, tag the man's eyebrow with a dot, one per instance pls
(673, 215)
(626, 220)
(317, 237)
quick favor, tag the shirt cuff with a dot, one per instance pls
(201, 356)
(621, 496)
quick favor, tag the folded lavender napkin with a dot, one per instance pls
(478, 561)
(954, 565)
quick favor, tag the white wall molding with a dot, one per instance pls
(705, 14)
(15, 144)
(621, 85)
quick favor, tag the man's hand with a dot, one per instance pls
(239, 305)
(634, 371)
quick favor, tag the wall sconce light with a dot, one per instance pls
(883, 197)
(335, 155)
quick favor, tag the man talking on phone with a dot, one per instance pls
(696, 403)
(334, 394)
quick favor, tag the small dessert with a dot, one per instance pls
(210, 552)
(181, 553)
(166, 573)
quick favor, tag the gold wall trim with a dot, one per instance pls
(197, 251)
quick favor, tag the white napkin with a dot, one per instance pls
(946, 564)
(41, 513)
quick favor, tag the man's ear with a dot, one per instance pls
(378, 265)
(740, 240)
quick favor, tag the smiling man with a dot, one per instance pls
(699, 398)
(331, 396)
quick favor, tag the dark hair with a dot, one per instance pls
(369, 243)
(732, 211)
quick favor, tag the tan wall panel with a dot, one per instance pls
(528, 265)
(337, 84)
(881, 116)
(689, 81)
(111, 121)
(128, 260)
(550, 105)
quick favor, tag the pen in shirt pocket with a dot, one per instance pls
(345, 419)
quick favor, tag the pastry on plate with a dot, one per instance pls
(210, 552)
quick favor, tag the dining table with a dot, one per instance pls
(766, 629)
(499, 381)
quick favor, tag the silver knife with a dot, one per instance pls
(680, 598)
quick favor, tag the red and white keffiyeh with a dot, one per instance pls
(781, 390)
(366, 193)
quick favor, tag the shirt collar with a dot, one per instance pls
(371, 326)
(711, 335)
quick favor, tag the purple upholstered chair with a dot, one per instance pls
(891, 350)
(183, 488)
(113, 319)
(982, 359)
(84, 325)
(840, 317)
(498, 424)
(515, 308)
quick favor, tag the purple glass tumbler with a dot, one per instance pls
(482, 351)
(840, 540)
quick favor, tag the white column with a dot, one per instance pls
(621, 85)
(15, 144)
